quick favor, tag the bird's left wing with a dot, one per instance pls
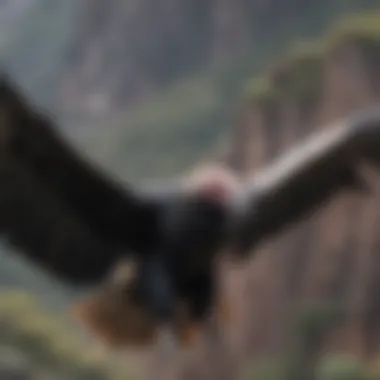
(48, 232)
(306, 177)
(121, 214)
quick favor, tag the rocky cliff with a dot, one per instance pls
(335, 255)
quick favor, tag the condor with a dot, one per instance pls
(65, 215)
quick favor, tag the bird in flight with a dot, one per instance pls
(63, 213)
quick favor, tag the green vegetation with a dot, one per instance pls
(153, 129)
(332, 367)
(362, 30)
(50, 344)
(315, 321)
(299, 75)
(312, 324)
(14, 274)
(342, 368)
(268, 370)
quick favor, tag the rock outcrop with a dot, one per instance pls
(335, 255)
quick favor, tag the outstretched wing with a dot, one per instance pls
(42, 176)
(305, 178)
(47, 231)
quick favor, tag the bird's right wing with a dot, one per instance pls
(306, 177)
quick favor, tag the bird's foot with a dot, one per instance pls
(224, 312)
(114, 323)
(190, 335)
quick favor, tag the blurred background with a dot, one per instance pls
(150, 88)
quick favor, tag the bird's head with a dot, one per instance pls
(195, 226)
(214, 183)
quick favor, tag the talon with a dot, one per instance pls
(96, 321)
(116, 322)
(225, 312)
(190, 335)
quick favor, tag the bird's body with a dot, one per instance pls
(66, 216)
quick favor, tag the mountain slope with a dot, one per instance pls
(186, 122)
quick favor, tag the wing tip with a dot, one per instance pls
(365, 122)
(10, 93)
(5, 79)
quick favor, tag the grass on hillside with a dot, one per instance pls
(51, 344)
(299, 75)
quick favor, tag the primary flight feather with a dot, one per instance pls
(69, 218)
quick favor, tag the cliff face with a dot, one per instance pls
(335, 255)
